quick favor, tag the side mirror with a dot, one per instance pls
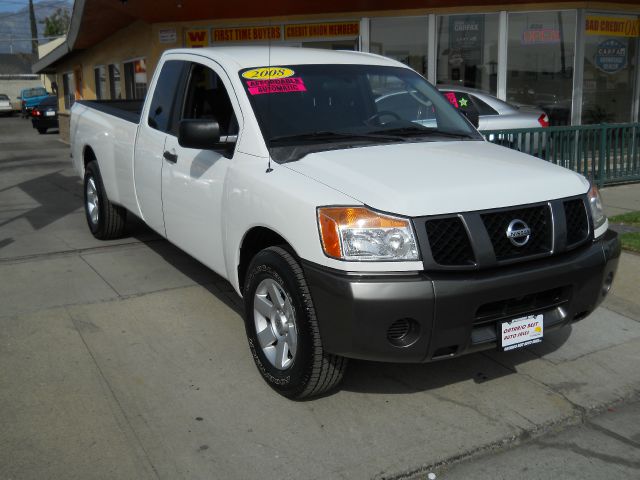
(472, 116)
(204, 134)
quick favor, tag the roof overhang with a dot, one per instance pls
(95, 20)
(91, 22)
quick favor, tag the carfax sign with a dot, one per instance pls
(611, 56)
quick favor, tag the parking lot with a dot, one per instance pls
(128, 359)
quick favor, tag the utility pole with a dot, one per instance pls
(34, 31)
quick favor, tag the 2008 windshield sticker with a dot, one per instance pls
(278, 85)
(268, 73)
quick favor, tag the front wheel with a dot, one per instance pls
(282, 328)
(106, 220)
(42, 131)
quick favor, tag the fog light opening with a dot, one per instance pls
(403, 332)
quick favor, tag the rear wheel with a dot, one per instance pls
(282, 328)
(106, 220)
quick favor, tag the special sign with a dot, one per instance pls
(612, 26)
(263, 80)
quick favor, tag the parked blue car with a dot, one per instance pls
(30, 98)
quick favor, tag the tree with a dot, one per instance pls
(57, 24)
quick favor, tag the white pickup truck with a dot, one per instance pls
(351, 229)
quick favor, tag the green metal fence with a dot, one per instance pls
(606, 153)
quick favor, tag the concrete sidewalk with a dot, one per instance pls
(129, 360)
(624, 297)
(621, 198)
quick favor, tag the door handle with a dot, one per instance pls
(170, 157)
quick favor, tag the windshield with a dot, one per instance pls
(306, 108)
(34, 92)
(3, 97)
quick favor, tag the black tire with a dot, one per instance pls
(42, 131)
(312, 371)
(111, 219)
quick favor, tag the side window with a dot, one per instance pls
(207, 98)
(483, 107)
(462, 101)
(164, 95)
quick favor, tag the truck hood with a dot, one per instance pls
(434, 178)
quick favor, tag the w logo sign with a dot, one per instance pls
(197, 38)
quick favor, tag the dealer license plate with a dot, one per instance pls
(49, 114)
(521, 332)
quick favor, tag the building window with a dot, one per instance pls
(403, 39)
(135, 79)
(468, 51)
(114, 82)
(68, 88)
(101, 82)
(540, 65)
(610, 69)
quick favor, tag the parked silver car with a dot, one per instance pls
(493, 113)
(5, 105)
(496, 114)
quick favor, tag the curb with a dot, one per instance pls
(579, 416)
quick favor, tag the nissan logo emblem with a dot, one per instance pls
(518, 233)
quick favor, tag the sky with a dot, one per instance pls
(8, 6)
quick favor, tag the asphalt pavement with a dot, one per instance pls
(127, 359)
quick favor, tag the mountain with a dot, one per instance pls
(15, 25)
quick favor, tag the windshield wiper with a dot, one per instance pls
(419, 131)
(329, 135)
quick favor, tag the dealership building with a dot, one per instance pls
(579, 61)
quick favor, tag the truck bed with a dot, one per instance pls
(128, 110)
(109, 127)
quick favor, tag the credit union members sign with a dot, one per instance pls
(318, 30)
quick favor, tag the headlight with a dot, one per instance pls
(359, 234)
(597, 211)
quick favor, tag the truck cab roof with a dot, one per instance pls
(257, 56)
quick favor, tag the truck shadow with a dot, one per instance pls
(185, 264)
(481, 367)
(55, 196)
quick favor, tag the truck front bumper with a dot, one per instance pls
(427, 316)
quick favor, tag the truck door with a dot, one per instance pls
(155, 123)
(193, 179)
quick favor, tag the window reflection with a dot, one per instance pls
(540, 62)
